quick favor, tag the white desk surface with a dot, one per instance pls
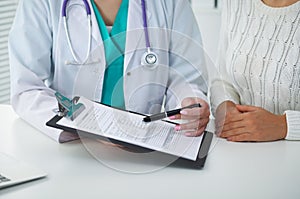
(232, 170)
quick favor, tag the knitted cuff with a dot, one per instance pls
(293, 125)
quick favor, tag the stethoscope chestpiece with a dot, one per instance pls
(149, 59)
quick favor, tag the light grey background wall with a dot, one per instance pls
(209, 20)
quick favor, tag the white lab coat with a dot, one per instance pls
(39, 54)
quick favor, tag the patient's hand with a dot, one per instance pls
(254, 124)
(226, 113)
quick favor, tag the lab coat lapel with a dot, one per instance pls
(97, 41)
(135, 35)
(95, 28)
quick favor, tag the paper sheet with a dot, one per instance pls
(128, 127)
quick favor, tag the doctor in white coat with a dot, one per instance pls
(42, 61)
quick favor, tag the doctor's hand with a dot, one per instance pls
(254, 124)
(197, 118)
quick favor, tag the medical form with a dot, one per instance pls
(129, 127)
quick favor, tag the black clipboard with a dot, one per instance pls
(179, 162)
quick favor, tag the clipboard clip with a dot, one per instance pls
(68, 108)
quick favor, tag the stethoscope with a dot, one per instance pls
(149, 58)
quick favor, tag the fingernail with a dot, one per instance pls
(177, 128)
(187, 134)
(172, 117)
(183, 112)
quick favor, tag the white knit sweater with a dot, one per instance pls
(259, 59)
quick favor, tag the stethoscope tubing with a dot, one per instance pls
(89, 21)
(145, 24)
(65, 5)
(88, 12)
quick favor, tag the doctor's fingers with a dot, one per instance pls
(195, 113)
(192, 114)
(185, 114)
(195, 133)
(193, 125)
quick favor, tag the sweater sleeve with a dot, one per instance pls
(293, 125)
(221, 88)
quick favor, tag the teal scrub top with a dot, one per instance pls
(114, 46)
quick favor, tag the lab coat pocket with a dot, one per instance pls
(86, 78)
(89, 80)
